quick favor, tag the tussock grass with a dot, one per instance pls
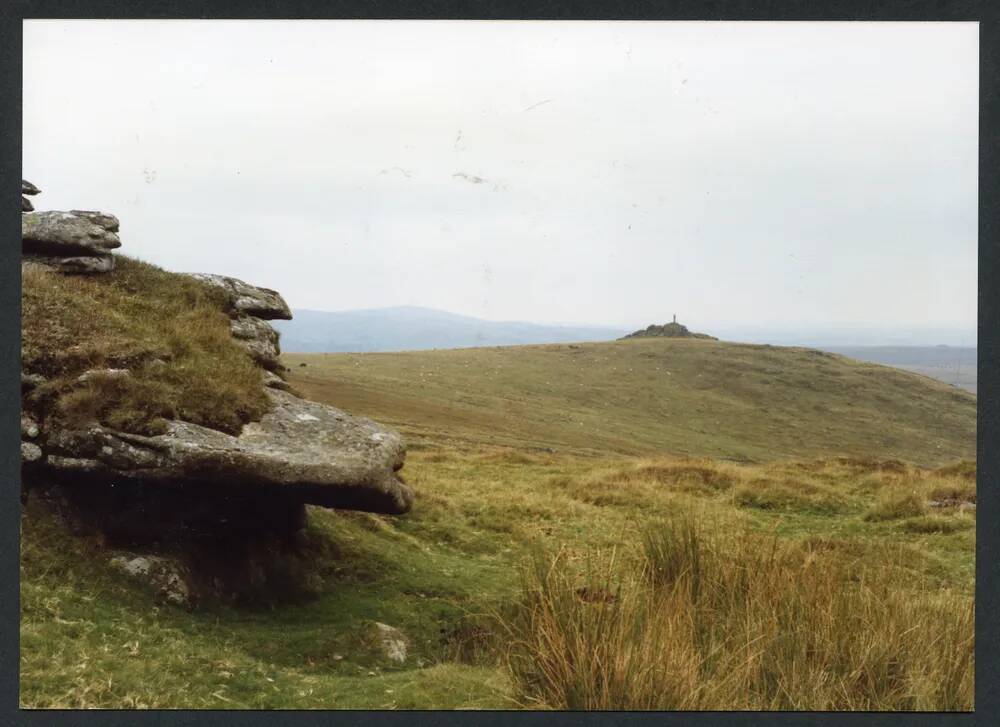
(953, 490)
(168, 330)
(765, 493)
(647, 479)
(448, 576)
(898, 505)
(706, 620)
(938, 524)
(965, 470)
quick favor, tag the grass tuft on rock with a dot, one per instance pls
(170, 333)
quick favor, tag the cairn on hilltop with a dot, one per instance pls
(667, 330)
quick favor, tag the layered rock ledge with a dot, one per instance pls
(251, 300)
(311, 452)
(72, 242)
(187, 480)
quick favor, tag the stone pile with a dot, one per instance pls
(667, 330)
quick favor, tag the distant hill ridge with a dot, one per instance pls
(404, 328)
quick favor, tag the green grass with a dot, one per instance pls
(492, 501)
(441, 574)
(168, 330)
(662, 396)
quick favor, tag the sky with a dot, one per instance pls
(745, 176)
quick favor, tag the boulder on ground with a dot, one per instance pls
(168, 577)
(29, 427)
(30, 452)
(302, 450)
(249, 299)
(391, 642)
(26, 205)
(67, 234)
(109, 373)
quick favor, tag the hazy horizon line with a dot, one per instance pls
(822, 325)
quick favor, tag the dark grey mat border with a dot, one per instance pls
(988, 557)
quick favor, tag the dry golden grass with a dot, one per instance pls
(614, 630)
(168, 330)
(653, 396)
(705, 619)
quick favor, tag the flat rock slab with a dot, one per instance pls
(68, 234)
(247, 299)
(306, 450)
(108, 222)
(77, 265)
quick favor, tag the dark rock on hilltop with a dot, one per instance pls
(668, 330)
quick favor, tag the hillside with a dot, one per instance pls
(407, 328)
(651, 396)
(955, 365)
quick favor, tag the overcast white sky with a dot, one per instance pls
(738, 174)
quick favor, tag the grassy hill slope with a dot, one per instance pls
(833, 583)
(657, 396)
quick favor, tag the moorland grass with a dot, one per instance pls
(747, 574)
(169, 331)
(709, 620)
(642, 397)
(448, 575)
